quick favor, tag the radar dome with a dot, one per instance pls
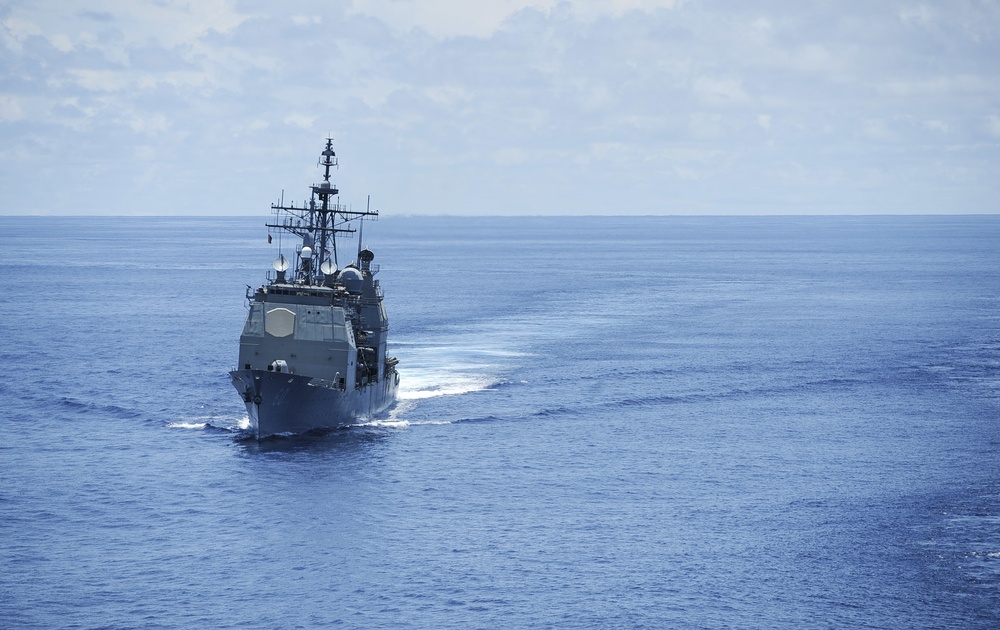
(328, 267)
(281, 263)
(352, 280)
(307, 252)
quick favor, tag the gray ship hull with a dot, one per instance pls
(282, 403)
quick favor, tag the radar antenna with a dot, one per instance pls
(318, 223)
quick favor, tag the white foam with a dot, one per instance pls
(449, 367)
(202, 422)
(418, 386)
(402, 424)
(389, 424)
(187, 425)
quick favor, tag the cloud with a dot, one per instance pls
(305, 20)
(149, 125)
(921, 15)
(938, 86)
(446, 18)
(10, 109)
(99, 80)
(300, 120)
(664, 106)
(720, 91)
(993, 125)
(937, 125)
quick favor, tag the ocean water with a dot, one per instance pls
(764, 422)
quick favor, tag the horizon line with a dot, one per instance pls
(515, 216)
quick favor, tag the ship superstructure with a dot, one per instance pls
(313, 349)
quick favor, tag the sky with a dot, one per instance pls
(501, 107)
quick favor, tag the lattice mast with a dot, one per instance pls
(317, 223)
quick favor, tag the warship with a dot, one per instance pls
(313, 348)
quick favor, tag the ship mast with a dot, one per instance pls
(318, 223)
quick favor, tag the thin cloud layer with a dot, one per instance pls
(518, 107)
(446, 18)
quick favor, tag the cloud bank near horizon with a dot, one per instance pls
(502, 106)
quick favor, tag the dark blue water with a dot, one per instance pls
(641, 422)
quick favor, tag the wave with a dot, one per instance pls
(67, 402)
(400, 423)
(187, 425)
(228, 424)
(782, 388)
(557, 411)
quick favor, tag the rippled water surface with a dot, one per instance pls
(639, 422)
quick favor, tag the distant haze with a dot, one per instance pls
(501, 106)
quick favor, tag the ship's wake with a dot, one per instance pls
(432, 369)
